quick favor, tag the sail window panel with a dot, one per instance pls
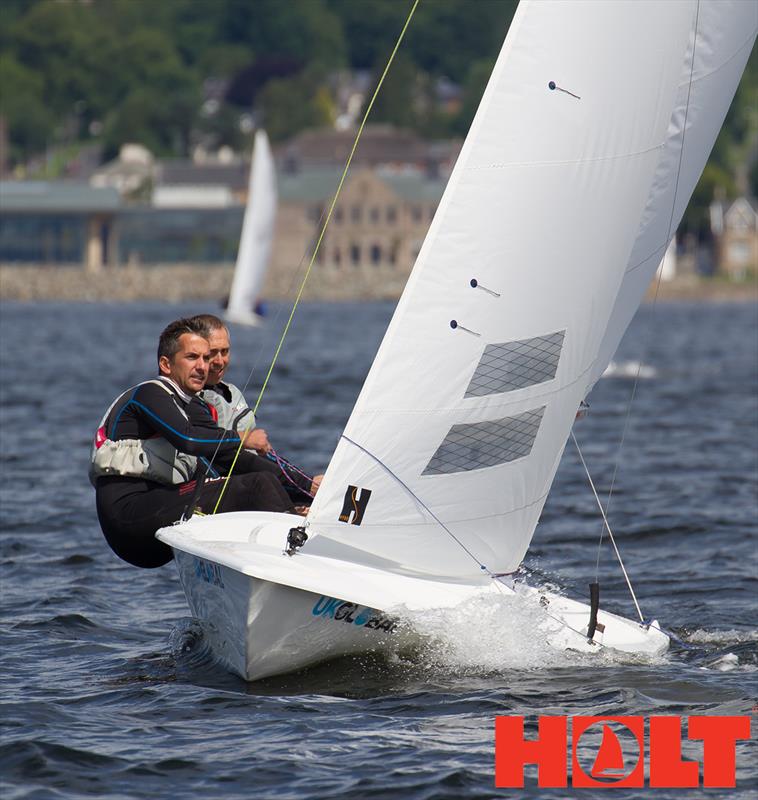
(486, 444)
(506, 366)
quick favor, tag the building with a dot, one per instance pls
(380, 147)
(374, 234)
(61, 223)
(735, 233)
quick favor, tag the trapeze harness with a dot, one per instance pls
(152, 445)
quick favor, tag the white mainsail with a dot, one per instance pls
(257, 234)
(527, 279)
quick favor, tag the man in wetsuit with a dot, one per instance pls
(153, 442)
(230, 405)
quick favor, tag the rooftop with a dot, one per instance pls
(58, 196)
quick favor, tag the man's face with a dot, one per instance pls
(188, 369)
(219, 353)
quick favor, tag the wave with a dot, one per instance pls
(497, 633)
(630, 369)
(724, 638)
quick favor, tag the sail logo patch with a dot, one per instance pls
(354, 505)
(613, 752)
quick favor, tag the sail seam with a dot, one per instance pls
(647, 258)
(694, 80)
(614, 157)
(490, 406)
(723, 64)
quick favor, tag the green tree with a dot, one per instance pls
(476, 82)
(398, 101)
(149, 117)
(29, 122)
(289, 105)
(304, 29)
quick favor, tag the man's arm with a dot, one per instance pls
(190, 431)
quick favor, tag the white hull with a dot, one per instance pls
(267, 613)
(258, 628)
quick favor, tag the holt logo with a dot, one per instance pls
(610, 752)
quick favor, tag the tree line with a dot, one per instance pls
(177, 73)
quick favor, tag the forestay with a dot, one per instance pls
(257, 231)
(563, 180)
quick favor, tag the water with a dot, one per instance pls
(109, 689)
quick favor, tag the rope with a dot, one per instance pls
(318, 245)
(286, 467)
(610, 532)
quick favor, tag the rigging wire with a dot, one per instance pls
(654, 309)
(605, 521)
(318, 243)
(497, 579)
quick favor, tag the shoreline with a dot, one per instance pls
(185, 282)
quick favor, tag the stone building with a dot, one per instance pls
(375, 232)
(735, 233)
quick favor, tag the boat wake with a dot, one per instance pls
(498, 633)
(724, 651)
(630, 369)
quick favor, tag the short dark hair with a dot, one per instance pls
(210, 322)
(168, 342)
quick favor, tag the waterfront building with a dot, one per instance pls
(58, 223)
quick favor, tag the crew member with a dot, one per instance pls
(230, 405)
(151, 443)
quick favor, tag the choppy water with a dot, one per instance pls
(109, 689)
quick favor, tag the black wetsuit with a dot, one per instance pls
(131, 509)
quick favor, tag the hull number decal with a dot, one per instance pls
(208, 572)
(353, 614)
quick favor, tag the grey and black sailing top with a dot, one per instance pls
(156, 431)
(229, 403)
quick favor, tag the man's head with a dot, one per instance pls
(184, 354)
(218, 338)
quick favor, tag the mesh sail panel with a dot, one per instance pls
(485, 444)
(515, 365)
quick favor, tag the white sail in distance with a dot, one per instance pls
(451, 449)
(257, 235)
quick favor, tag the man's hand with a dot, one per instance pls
(315, 484)
(257, 440)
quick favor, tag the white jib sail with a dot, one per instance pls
(716, 57)
(257, 232)
(464, 415)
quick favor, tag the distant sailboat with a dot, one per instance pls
(590, 136)
(257, 236)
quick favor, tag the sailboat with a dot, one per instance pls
(257, 235)
(590, 137)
